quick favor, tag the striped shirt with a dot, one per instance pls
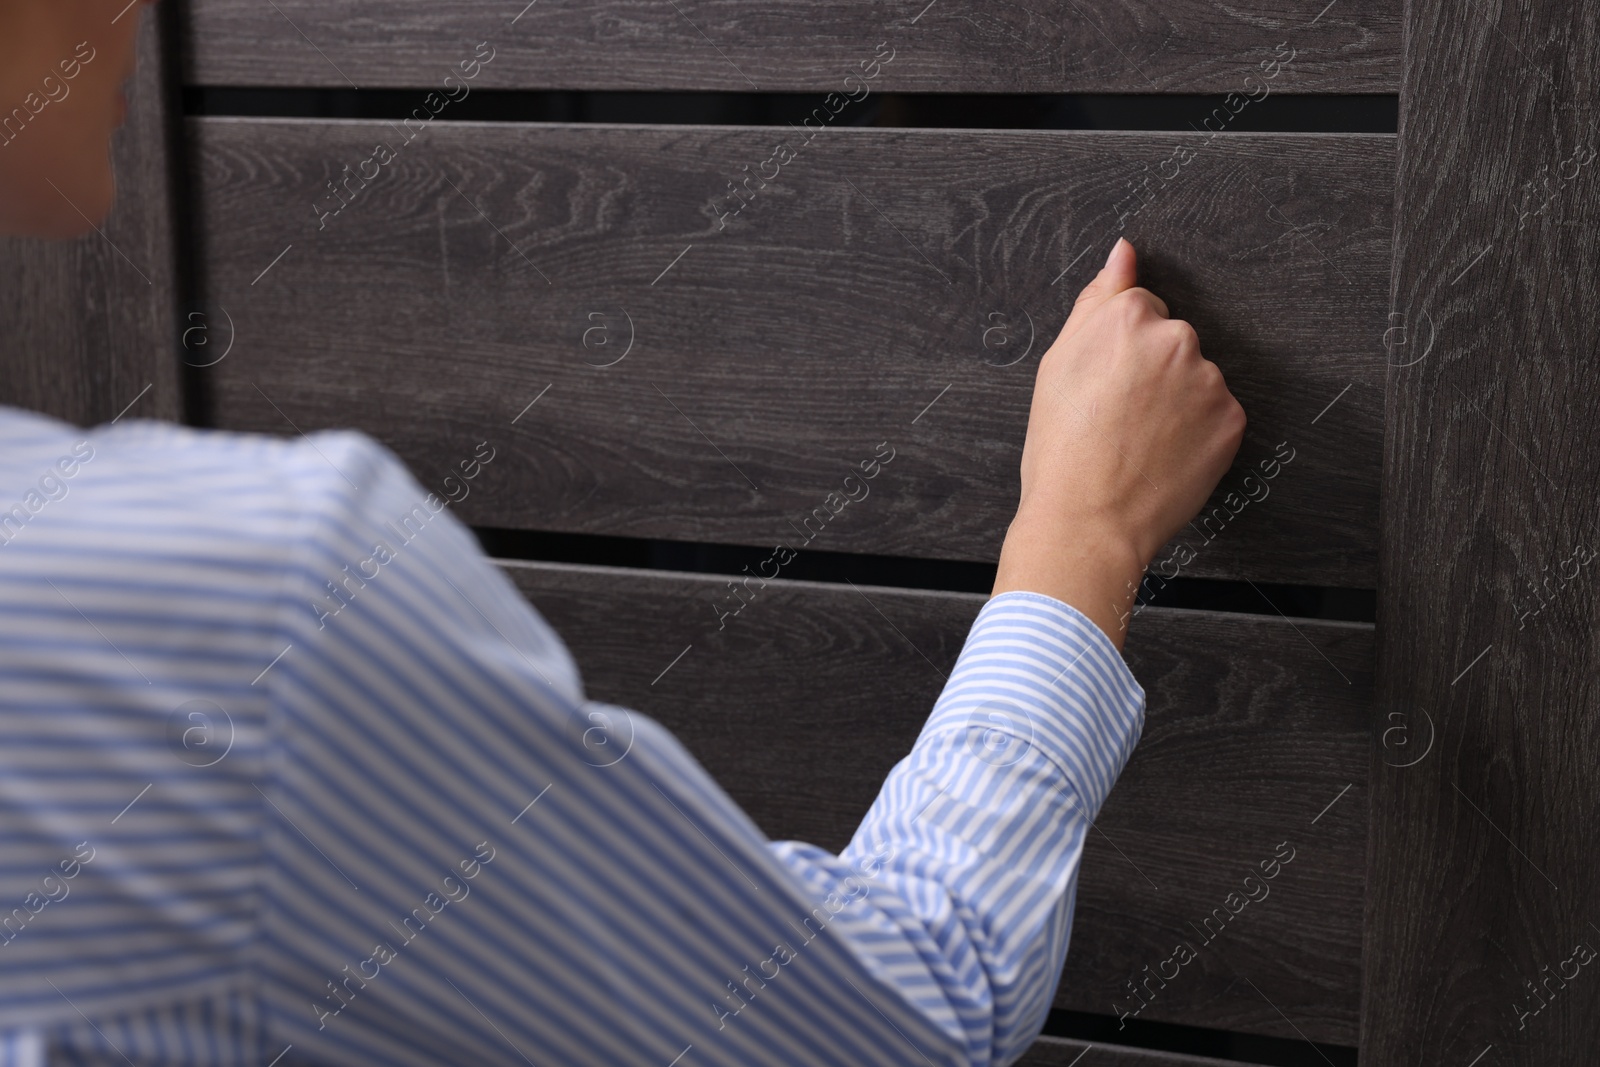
(293, 774)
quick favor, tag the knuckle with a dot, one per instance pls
(1128, 306)
(1235, 417)
(1144, 297)
(1150, 300)
(1186, 337)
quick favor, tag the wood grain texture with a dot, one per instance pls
(1131, 46)
(887, 286)
(1483, 853)
(805, 700)
(1062, 1052)
(89, 323)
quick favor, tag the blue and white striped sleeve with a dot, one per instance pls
(469, 861)
(972, 848)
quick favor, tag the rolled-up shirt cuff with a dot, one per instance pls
(1037, 673)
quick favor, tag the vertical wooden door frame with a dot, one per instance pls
(91, 326)
(1483, 869)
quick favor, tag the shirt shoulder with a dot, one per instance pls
(175, 523)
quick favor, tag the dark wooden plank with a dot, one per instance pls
(1062, 1052)
(883, 272)
(90, 323)
(802, 703)
(1058, 46)
(1484, 874)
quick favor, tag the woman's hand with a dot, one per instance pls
(1129, 432)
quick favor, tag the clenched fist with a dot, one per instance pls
(1130, 430)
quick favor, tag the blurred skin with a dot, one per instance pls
(1130, 428)
(68, 141)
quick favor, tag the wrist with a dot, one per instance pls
(1091, 567)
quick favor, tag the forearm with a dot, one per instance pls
(1095, 571)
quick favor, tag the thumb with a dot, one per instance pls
(1120, 272)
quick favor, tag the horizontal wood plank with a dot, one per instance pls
(1062, 1052)
(1256, 735)
(1056, 46)
(889, 288)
